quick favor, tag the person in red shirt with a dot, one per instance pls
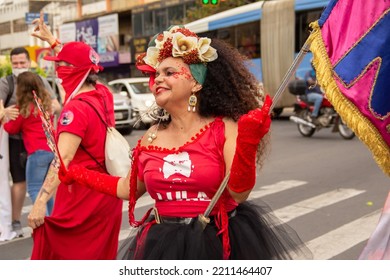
(29, 124)
(85, 223)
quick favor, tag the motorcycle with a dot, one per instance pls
(327, 117)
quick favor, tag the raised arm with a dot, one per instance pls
(251, 128)
(42, 32)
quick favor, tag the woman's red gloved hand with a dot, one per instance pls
(251, 129)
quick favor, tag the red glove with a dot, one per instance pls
(100, 182)
(251, 129)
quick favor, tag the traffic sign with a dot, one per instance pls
(31, 16)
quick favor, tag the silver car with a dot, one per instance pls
(137, 90)
(124, 119)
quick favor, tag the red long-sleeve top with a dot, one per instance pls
(32, 131)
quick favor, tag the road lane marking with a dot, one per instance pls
(307, 206)
(275, 188)
(343, 238)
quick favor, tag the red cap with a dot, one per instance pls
(76, 53)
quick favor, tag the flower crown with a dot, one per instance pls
(178, 41)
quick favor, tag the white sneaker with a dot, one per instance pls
(7, 236)
(17, 227)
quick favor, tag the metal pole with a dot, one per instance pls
(298, 59)
(217, 195)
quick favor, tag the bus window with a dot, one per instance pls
(302, 21)
(228, 35)
(248, 39)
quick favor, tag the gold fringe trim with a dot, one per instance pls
(362, 127)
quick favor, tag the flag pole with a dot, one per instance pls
(298, 59)
(204, 218)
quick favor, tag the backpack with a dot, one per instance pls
(23, 153)
(116, 149)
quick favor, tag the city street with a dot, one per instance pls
(328, 189)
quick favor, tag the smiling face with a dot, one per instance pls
(174, 84)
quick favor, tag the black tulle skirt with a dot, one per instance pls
(254, 234)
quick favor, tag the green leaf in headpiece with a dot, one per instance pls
(199, 72)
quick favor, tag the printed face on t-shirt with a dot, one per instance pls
(177, 164)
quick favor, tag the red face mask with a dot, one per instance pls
(72, 78)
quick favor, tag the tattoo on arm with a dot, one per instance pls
(45, 191)
(50, 183)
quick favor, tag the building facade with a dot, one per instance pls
(116, 29)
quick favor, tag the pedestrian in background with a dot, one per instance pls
(84, 223)
(6, 232)
(20, 62)
(29, 125)
(212, 122)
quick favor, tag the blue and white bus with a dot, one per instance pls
(268, 33)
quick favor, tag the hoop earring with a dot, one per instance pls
(192, 102)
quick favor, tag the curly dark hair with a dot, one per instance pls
(27, 82)
(230, 89)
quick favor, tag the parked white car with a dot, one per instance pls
(124, 119)
(137, 90)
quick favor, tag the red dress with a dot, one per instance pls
(85, 224)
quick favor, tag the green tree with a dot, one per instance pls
(40, 71)
(5, 66)
(199, 10)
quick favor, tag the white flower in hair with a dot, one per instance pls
(206, 53)
(179, 41)
(183, 45)
(152, 55)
